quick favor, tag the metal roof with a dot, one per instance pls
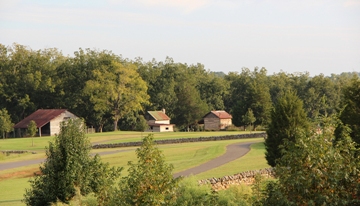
(221, 114)
(159, 115)
(41, 117)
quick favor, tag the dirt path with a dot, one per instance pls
(12, 165)
(233, 152)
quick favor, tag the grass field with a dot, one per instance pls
(183, 156)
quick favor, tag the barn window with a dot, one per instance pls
(167, 128)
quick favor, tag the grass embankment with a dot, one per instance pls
(13, 182)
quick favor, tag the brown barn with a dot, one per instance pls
(47, 121)
(158, 121)
(217, 120)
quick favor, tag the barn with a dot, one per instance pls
(47, 121)
(217, 120)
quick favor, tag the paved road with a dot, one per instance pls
(233, 152)
(12, 165)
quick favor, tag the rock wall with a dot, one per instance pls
(247, 178)
(182, 140)
(7, 152)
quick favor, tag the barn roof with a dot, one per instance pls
(220, 114)
(41, 117)
(159, 115)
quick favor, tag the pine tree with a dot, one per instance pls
(68, 166)
(287, 118)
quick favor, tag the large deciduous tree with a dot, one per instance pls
(118, 89)
(249, 90)
(287, 119)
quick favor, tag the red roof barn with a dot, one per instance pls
(217, 120)
(47, 120)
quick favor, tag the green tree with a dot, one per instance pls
(287, 119)
(5, 123)
(350, 115)
(141, 123)
(191, 108)
(150, 181)
(69, 166)
(31, 130)
(118, 89)
(314, 171)
(249, 90)
(249, 118)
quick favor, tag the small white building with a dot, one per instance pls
(158, 121)
(47, 121)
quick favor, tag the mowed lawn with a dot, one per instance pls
(182, 156)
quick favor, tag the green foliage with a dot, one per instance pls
(314, 171)
(117, 88)
(150, 181)
(77, 83)
(287, 119)
(31, 129)
(69, 166)
(141, 124)
(191, 193)
(350, 115)
(5, 123)
(249, 117)
(249, 90)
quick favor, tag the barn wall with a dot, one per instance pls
(163, 128)
(151, 121)
(225, 123)
(162, 122)
(55, 123)
(211, 122)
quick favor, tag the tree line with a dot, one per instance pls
(111, 92)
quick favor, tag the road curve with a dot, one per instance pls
(233, 152)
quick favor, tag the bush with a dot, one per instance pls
(232, 128)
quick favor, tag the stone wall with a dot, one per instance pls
(7, 152)
(182, 140)
(247, 178)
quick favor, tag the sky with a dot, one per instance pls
(315, 36)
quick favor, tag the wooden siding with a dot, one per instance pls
(212, 122)
(55, 123)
